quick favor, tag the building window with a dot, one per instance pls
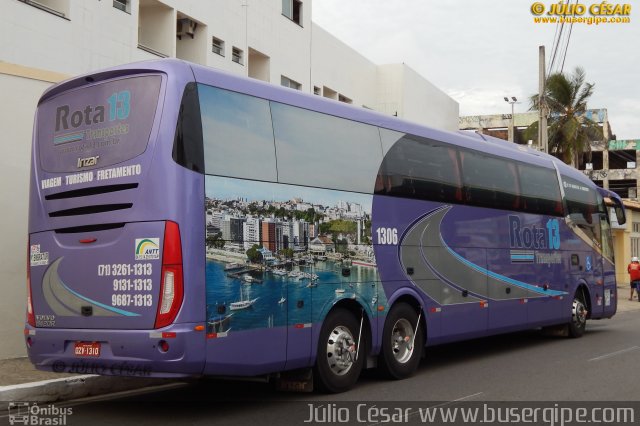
(123, 5)
(237, 56)
(344, 99)
(217, 46)
(287, 82)
(316, 90)
(292, 9)
(56, 7)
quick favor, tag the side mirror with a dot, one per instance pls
(618, 208)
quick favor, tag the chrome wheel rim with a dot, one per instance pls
(579, 313)
(341, 350)
(402, 338)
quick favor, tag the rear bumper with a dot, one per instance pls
(132, 353)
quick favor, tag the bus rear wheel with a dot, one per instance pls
(401, 343)
(339, 360)
(578, 317)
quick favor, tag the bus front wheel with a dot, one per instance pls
(339, 359)
(578, 317)
(401, 342)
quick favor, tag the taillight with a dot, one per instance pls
(31, 317)
(171, 286)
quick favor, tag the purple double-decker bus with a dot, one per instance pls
(188, 222)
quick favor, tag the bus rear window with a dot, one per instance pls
(97, 126)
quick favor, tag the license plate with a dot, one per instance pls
(87, 349)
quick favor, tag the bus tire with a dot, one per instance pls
(337, 368)
(578, 317)
(399, 358)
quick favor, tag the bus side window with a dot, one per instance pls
(539, 190)
(325, 151)
(420, 168)
(489, 181)
(234, 125)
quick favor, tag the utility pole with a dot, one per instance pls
(513, 101)
(543, 139)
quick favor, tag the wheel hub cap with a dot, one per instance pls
(402, 340)
(579, 313)
(341, 350)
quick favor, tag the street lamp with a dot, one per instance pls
(511, 127)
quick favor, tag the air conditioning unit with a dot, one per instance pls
(186, 26)
(588, 166)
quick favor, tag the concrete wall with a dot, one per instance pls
(622, 242)
(405, 93)
(21, 88)
(337, 66)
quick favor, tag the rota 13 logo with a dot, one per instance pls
(534, 237)
(119, 105)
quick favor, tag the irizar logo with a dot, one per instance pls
(147, 248)
(88, 162)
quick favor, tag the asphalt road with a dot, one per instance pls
(603, 365)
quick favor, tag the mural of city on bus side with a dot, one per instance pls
(279, 255)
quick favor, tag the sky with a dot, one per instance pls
(480, 51)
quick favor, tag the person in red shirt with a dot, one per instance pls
(634, 274)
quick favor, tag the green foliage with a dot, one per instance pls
(339, 226)
(570, 131)
(287, 253)
(215, 241)
(254, 255)
(341, 246)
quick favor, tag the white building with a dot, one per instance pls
(300, 234)
(251, 232)
(45, 41)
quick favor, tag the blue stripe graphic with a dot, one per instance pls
(68, 138)
(102, 305)
(502, 277)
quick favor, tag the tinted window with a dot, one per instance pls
(187, 144)
(420, 168)
(324, 151)
(539, 190)
(108, 121)
(489, 181)
(237, 133)
(582, 206)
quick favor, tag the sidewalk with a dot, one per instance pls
(20, 381)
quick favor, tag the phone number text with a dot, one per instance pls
(125, 269)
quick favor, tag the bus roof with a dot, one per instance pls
(233, 82)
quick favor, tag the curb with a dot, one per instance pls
(72, 388)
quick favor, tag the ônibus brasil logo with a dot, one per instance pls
(147, 248)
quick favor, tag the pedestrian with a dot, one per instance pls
(634, 274)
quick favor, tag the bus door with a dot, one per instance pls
(594, 265)
(608, 269)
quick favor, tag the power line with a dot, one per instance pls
(568, 40)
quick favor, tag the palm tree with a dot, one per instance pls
(570, 131)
